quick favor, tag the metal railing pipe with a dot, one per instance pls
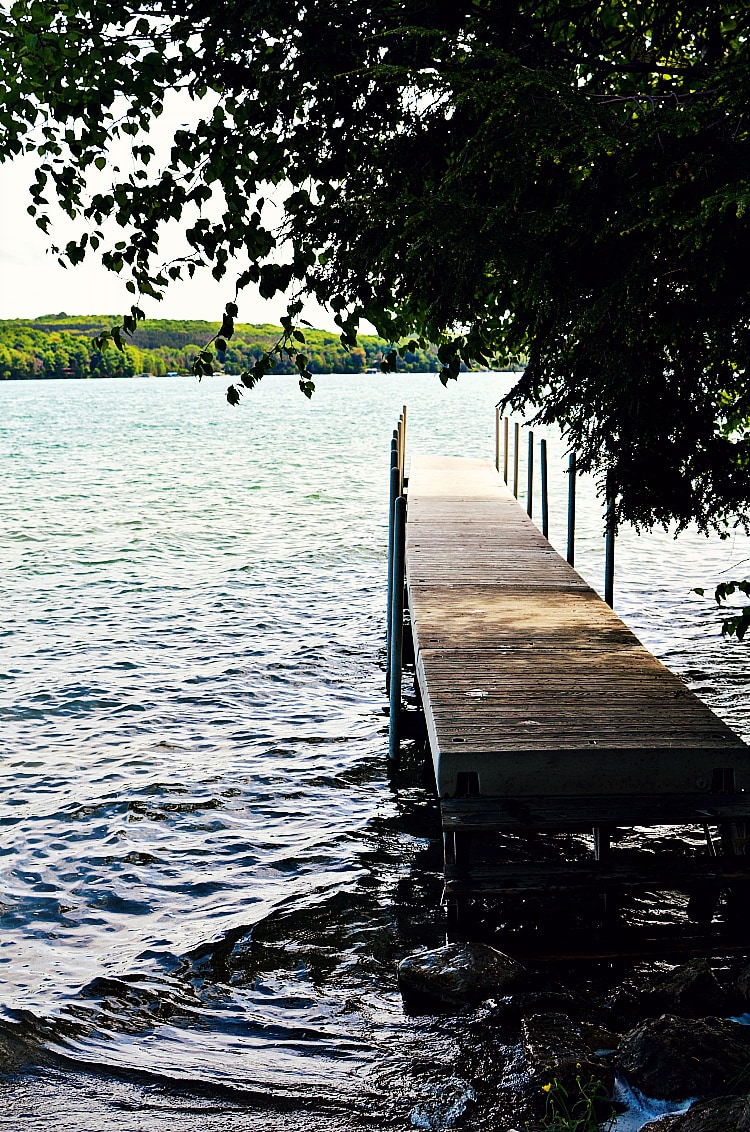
(505, 449)
(544, 487)
(497, 438)
(394, 492)
(516, 444)
(530, 476)
(572, 508)
(609, 548)
(397, 627)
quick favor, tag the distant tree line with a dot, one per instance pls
(60, 346)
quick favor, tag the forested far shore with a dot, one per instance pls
(59, 346)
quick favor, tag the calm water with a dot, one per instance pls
(207, 878)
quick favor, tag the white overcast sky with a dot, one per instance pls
(32, 283)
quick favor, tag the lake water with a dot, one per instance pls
(207, 877)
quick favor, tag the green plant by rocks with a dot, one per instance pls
(577, 1106)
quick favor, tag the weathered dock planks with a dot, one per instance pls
(531, 685)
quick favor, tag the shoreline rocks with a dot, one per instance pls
(456, 975)
(676, 1058)
(725, 1114)
(656, 1028)
(555, 1049)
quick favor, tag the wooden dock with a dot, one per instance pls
(543, 710)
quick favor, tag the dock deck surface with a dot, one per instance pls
(529, 681)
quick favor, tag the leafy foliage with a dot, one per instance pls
(582, 1105)
(564, 180)
(738, 622)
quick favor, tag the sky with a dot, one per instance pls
(32, 283)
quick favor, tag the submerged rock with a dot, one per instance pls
(457, 975)
(444, 1107)
(555, 1049)
(675, 1058)
(508, 1012)
(725, 1114)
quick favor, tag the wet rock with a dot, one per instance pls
(508, 1012)
(691, 989)
(725, 1114)
(624, 1006)
(16, 1049)
(675, 1058)
(555, 1049)
(662, 1123)
(456, 975)
(599, 1039)
(445, 1104)
(742, 983)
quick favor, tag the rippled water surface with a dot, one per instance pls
(207, 877)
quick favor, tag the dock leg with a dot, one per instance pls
(703, 903)
(710, 847)
(732, 835)
(602, 850)
(602, 843)
(462, 849)
(740, 838)
(733, 838)
(467, 786)
(457, 848)
(455, 907)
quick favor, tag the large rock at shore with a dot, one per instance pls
(457, 975)
(555, 1049)
(691, 989)
(726, 1114)
(15, 1049)
(676, 1058)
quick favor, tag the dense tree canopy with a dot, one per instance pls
(57, 346)
(565, 181)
